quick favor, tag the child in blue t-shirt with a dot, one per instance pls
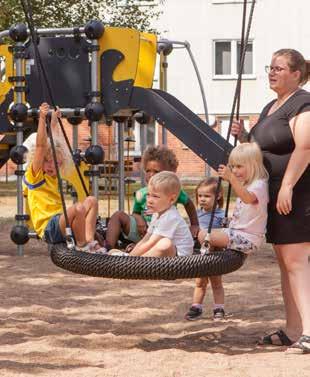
(205, 197)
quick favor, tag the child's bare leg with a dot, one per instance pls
(200, 290)
(163, 248)
(76, 217)
(218, 238)
(91, 208)
(217, 289)
(118, 223)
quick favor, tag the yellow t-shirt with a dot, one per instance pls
(43, 198)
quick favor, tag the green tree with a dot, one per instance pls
(66, 13)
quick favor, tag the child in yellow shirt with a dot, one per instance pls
(44, 200)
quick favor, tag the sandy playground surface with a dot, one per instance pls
(55, 323)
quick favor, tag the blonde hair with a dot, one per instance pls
(249, 155)
(166, 182)
(62, 153)
(211, 182)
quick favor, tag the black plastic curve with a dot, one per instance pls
(146, 268)
(183, 123)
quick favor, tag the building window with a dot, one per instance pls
(229, 1)
(226, 59)
(224, 125)
(142, 135)
(124, 3)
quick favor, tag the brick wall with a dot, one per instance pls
(191, 167)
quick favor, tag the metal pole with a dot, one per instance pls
(47, 31)
(163, 64)
(121, 164)
(143, 144)
(19, 141)
(203, 95)
(94, 124)
(75, 145)
(65, 112)
(187, 45)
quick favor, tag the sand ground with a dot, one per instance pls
(55, 323)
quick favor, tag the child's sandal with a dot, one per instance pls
(94, 248)
(84, 248)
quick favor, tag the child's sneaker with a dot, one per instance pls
(193, 313)
(118, 253)
(218, 314)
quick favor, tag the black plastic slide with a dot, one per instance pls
(183, 123)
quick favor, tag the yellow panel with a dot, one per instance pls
(147, 60)
(127, 41)
(6, 85)
(75, 181)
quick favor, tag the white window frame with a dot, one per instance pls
(233, 60)
(136, 151)
(142, 3)
(224, 124)
(229, 1)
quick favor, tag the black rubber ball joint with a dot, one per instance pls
(18, 32)
(94, 155)
(18, 112)
(94, 29)
(18, 154)
(94, 111)
(20, 234)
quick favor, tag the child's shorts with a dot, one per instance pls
(52, 233)
(238, 242)
(133, 234)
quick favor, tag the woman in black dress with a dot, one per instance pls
(283, 133)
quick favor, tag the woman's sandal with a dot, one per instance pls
(282, 339)
(302, 346)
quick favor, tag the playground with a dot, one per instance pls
(88, 322)
(56, 322)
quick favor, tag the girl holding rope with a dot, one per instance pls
(248, 178)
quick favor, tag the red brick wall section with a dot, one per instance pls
(190, 165)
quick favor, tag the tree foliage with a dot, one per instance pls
(66, 13)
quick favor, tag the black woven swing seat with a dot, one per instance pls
(147, 268)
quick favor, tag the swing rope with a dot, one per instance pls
(236, 102)
(27, 8)
(28, 15)
(242, 48)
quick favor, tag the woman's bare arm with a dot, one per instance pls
(299, 160)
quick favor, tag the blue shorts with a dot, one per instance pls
(52, 233)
